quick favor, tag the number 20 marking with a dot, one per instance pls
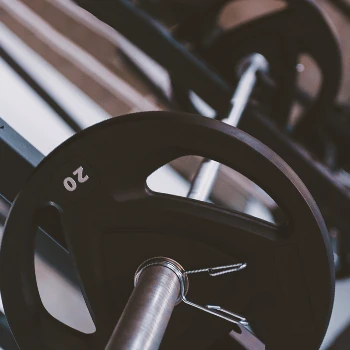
(70, 184)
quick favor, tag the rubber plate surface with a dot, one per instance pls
(113, 221)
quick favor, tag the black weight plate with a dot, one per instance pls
(281, 37)
(339, 128)
(113, 221)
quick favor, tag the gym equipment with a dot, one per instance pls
(248, 70)
(72, 186)
(160, 284)
(339, 129)
(83, 182)
(332, 196)
(113, 222)
(281, 37)
(88, 189)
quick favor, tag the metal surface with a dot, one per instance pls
(204, 180)
(170, 264)
(219, 270)
(147, 313)
(216, 310)
(247, 70)
(160, 284)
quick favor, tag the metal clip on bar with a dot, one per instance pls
(160, 284)
(215, 310)
(219, 270)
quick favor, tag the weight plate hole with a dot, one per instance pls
(59, 289)
(232, 190)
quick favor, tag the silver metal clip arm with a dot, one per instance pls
(215, 309)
